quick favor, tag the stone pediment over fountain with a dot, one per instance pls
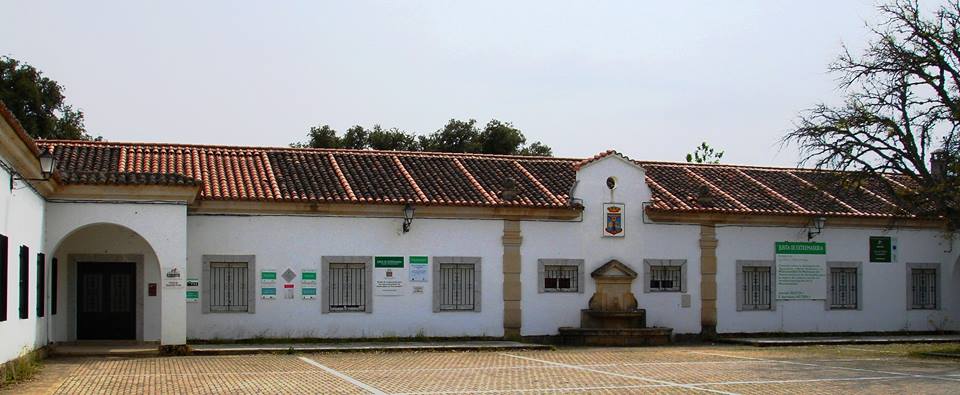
(614, 268)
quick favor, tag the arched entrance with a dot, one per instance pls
(108, 278)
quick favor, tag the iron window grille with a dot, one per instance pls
(24, 282)
(843, 288)
(41, 284)
(561, 278)
(228, 287)
(923, 288)
(347, 287)
(756, 288)
(456, 284)
(665, 278)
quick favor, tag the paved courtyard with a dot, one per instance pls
(675, 369)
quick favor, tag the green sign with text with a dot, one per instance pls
(388, 262)
(881, 249)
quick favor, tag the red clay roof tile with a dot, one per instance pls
(396, 177)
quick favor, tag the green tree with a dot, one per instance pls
(455, 136)
(356, 138)
(497, 137)
(501, 138)
(705, 154)
(536, 149)
(320, 137)
(902, 109)
(38, 102)
(392, 139)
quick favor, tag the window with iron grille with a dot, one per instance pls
(229, 284)
(561, 278)
(665, 278)
(347, 287)
(24, 282)
(41, 284)
(560, 275)
(923, 288)
(756, 290)
(843, 288)
(664, 275)
(457, 286)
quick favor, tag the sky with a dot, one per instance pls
(651, 79)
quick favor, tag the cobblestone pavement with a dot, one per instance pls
(675, 369)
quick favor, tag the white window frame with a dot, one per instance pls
(649, 265)
(438, 262)
(542, 265)
(325, 279)
(740, 279)
(938, 284)
(206, 285)
(858, 266)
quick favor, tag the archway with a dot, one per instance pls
(108, 277)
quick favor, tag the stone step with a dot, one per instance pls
(615, 336)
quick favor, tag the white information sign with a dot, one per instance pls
(801, 270)
(419, 269)
(389, 275)
(173, 279)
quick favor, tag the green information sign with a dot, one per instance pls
(388, 262)
(265, 275)
(797, 247)
(309, 291)
(268, 291)
(309, 276)
(882, 249)
(193, 295)
(418, 260)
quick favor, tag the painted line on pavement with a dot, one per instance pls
(920, 376)
(664, 382)
(351, 380)
(642, 386)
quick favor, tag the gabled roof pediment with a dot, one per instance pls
(614, 268)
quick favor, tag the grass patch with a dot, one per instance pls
(22, 368)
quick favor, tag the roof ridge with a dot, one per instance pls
(735, 166)
(307, 149)
(342, 177)
(474, 182)
(715, 188)
(409, 177)
(829, 195)
(536, 182)
(772, 191)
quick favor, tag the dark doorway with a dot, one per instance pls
(106, 300)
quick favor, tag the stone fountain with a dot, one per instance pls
(613, 317)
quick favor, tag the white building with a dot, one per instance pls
(166, 243)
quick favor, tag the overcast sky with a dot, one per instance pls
(651, 79)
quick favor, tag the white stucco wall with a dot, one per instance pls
(884, 288)
(543, 313)
(162, 225)
(297, 242)
(21, 220)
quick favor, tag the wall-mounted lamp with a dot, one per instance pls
(408, 211)
(48, 163)
(818, 225)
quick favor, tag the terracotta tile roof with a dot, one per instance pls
(684, 187)
(321, 175)
(423, 178)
